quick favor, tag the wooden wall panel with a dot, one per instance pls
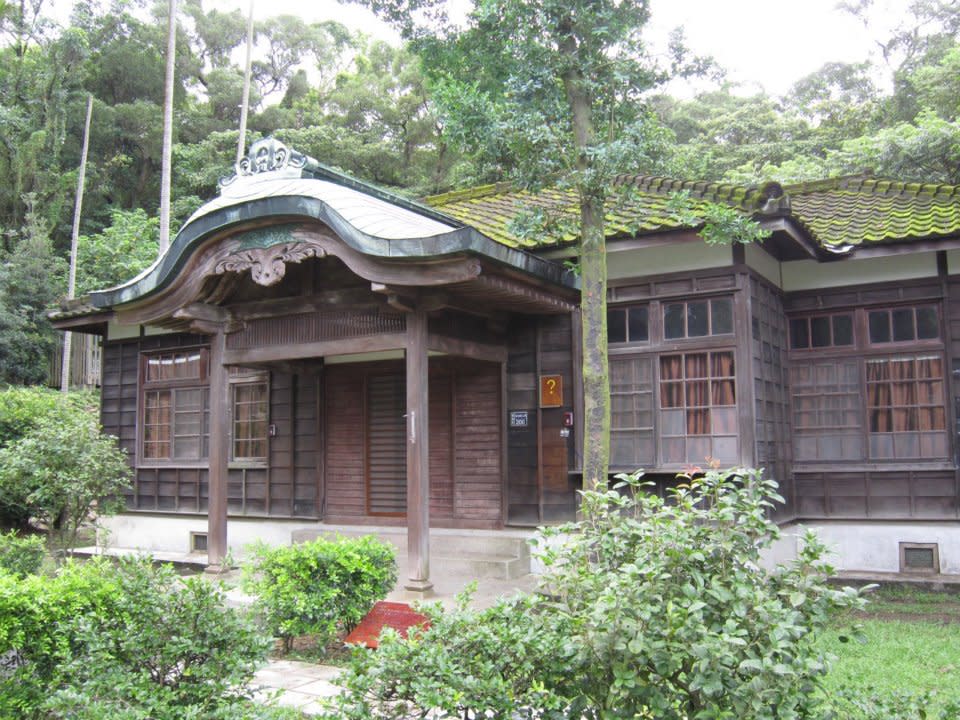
(344, 464)
(305, 489)
(771, 394)
(523, 491)
(900, 495)
(558, 501)
(477, 485)
(442, 466)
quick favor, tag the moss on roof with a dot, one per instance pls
(854, 210)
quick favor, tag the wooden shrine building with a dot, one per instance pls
(313, 351)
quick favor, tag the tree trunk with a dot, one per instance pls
(166, 170)
(596, 375)
(593, 277)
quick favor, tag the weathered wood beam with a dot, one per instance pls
(348, 299)
(418, 456)
(323, 348)
(402, 299)
(467, 348)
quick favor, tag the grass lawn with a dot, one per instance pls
(910, 643)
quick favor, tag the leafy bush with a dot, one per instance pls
(658, 608)
(21, 556)
(470, 662)
(320, 587)
(60, 467)
(852, 704)
(34, 612)
(126, 640)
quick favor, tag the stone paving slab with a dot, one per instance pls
(295, 684)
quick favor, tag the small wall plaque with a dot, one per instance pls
(519, 418)
(551, 391)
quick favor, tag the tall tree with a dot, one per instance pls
(554, 87)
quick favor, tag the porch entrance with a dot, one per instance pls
(364, 469)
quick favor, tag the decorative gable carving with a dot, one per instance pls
(268, 265)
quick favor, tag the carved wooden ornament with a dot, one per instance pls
(267, 266)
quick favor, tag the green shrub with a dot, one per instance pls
(470, 663)
(870, 704)
(34, 614)
(61, 467)
(657, 608)
(125, 640)
(321, 587)
(21, 556)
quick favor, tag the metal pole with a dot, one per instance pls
(74, 240)
(245, 101)
(165, 171)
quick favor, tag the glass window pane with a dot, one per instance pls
(616, 325)
(799, 334)
(879, 326)
(673, 321)
(722, 311)
(928, 326)
(843, 330)
(903, 329)
(697, 319)
(637, 321)
(820, 332)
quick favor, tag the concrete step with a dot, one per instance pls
(503, 555)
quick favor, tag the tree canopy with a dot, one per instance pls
(451, 107)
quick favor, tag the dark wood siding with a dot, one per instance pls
(771, 395)
(285, 486)
(344, 465)
(386, 443)
(364, 440)
(540, 486)
(476, 435)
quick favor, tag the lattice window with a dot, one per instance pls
(827, 410)
(698, 408)
(631, 400)
(250, 403)
(176, 406)
(905, 407)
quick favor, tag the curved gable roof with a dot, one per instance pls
(274, 182)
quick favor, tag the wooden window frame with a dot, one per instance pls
(863, 351)
(809, 318)
(687, 337)
(684, 383)
(238, 378)
(916, 341)
(629, 342)
(173, 385)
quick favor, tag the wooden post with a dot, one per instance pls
(219, 450)
(418, 456)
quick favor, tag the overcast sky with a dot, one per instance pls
(761, 43)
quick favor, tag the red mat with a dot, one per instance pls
(398, 616)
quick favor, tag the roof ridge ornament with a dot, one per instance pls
(268, 155)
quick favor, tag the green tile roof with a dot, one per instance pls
(839, 212)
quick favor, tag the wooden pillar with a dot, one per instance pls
(418, 455)
(219, 451)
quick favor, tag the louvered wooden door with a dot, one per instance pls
(386, 445)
